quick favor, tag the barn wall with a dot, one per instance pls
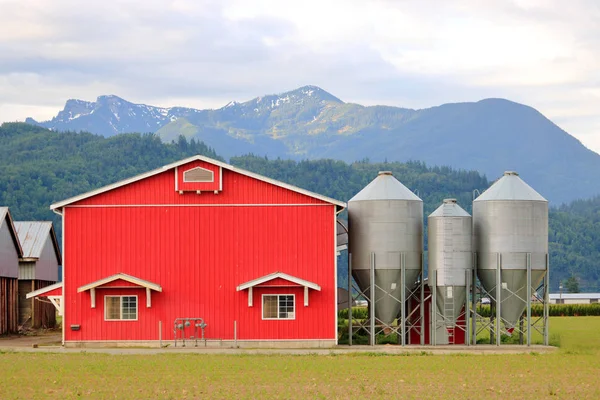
(46, 268)
(9, 305)
(9, 257)
(35, 313)
(199, 252)
(199, 255)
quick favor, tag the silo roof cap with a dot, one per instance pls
(449, 208)
(510, 187)
(385, 187)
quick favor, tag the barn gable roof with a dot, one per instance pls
(340, 205)
(132, 279)
(281, 275)
(33, 236)
(5, 217)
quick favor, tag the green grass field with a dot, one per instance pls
(573, 372)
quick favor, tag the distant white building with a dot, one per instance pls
(574, 298)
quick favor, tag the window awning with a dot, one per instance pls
(54, 293)
(278, 279)
(120, 281)
(52, 290)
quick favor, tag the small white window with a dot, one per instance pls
(198, 175)
(279, 306)
(120, 308)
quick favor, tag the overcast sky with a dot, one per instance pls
(203, 54)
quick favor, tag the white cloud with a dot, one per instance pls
(205, 53)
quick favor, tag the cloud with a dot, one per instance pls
(204, 53)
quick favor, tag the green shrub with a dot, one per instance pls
(555, 310)
(357, 313)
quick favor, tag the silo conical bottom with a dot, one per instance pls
(387, 307)
(450, 301)
(514, 297)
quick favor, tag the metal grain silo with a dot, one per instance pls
(450, 250)
(510, 223)
(385, 220)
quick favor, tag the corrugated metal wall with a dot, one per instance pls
(9, 305)
(199, 255)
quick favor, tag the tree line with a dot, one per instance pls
(39, 167)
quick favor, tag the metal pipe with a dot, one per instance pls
(498, 296)
(434, 308)
(372, 295)
(235, 334)
(528, 299)
(422, 303)
(403, 297)
(474, 300)
(350, 299)
(546, 301)
(160, 334)
(467, 313)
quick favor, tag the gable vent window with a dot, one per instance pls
(198, 175)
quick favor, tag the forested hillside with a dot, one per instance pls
(39, 167)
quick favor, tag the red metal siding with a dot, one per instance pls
(199, 255)
(210, 186)
(281, 282)
(414, 336)
(237, 189)
(55, 292)
(119, 283)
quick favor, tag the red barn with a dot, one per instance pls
(252, 257)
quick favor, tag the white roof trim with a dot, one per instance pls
(43, 290)
(572, 296)
(281, 275)
(5, 215)
(125, 277)
(148, 174)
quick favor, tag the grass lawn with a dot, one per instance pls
(571, 373)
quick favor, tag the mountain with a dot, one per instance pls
(489, 136)
(111, 115)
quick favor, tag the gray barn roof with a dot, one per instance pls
(33, 236)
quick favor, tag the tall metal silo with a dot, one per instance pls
(385, 224)
(510, 225)
(450, 250)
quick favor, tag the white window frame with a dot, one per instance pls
(262, 305)
(137, 308)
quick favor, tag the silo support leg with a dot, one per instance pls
(350, 299)
(403, 297)
(372, 295)
(422, 303)
(474, 300)
(528, 299)
(467, 313)
(546, 301)
(498, 297)
(434, 312)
